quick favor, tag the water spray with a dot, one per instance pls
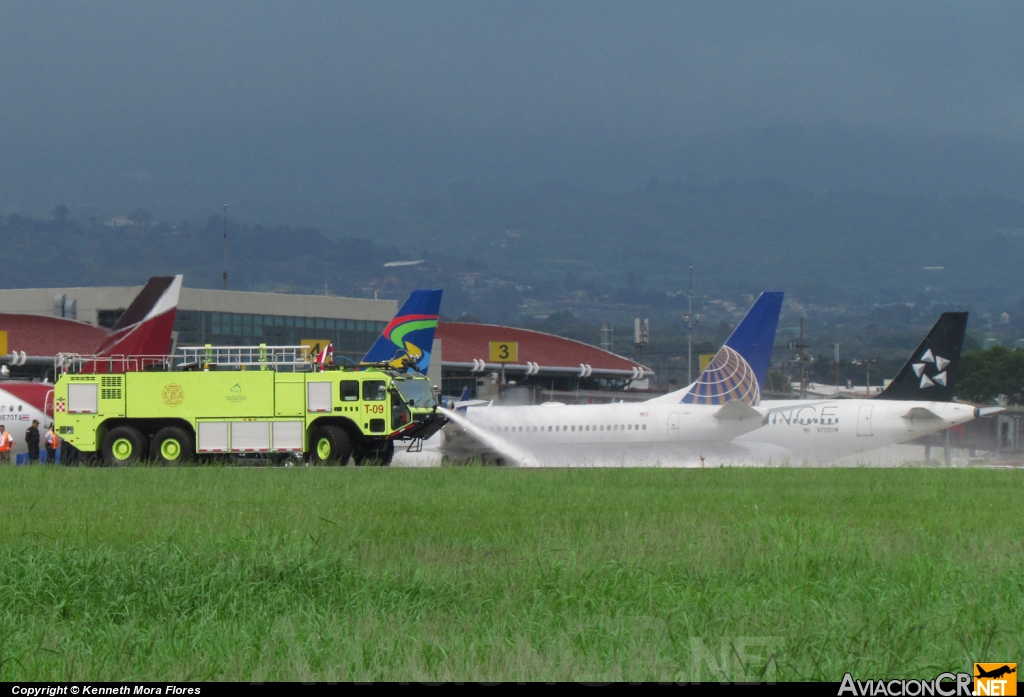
(499, 445)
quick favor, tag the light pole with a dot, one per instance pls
(867, 363)
(688, 318)
(225, 246)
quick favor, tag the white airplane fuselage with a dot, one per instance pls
(826, 430)
(602, 432)
(20, 403)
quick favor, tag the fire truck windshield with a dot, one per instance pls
(417, 392)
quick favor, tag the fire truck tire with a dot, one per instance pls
(124, 445)
(380, 455)
(172, 446)
(331, 446)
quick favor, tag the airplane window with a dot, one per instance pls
(506, 429)
(630, 427)
(19, 407)
(574, 428)
(645, 427)
(549, 428)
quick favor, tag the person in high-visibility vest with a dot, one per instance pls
(52, 443)
(6, 443)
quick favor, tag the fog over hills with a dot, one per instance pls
(534, 153)
(186, 105)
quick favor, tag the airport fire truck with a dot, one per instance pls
(225, 401)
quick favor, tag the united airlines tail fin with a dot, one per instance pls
(930, 374)
(741, 366)
(145, 327)
(409, 337)
(754, 336)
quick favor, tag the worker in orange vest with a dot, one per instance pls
(6, 443)
(52, 443)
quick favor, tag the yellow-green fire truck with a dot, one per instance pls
(224, 401)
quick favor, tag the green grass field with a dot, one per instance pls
(501, 574)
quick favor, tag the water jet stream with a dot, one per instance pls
(500, 445)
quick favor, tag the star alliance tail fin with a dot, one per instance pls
(930, 374)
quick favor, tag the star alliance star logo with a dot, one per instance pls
(940, 364)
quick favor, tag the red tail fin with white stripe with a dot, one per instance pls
(145, 327)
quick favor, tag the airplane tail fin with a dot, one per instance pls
(145, 327)
(409, 337)
(754, 336)
(741, 366)
(930, 374)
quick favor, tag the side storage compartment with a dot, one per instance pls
(289, 394)
(83, 398)
(250, 436)
(288, 436)
(318, 396)
(212, 437)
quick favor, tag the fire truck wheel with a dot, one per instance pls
(172, 446)
(380, 455)
(124, 445)
(331, 446)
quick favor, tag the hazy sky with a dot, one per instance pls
(167, 99)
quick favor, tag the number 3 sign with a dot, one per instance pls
(503, 352)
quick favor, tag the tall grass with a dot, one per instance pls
(504, 574)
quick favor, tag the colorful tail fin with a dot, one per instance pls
(930, 374)
(145, 327)
(410, 333)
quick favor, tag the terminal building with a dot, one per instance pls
(543, 367)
